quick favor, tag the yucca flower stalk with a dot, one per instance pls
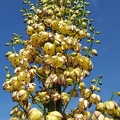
(50, 69)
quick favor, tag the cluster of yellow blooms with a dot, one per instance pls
(55, 28)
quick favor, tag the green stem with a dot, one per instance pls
(36, 102)
(69, 17)
(64, 89)
(112, 96)
(83, 9)
(70, 98)
(54, 8)
(14, 50)
(44, 112)
(39, 76)
(51, 106)
(97, 82)
(90, 48)
(23, 109)
(58, 103)
(65, 7)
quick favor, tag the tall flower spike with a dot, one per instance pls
(53, 55)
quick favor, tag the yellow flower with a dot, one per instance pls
(54, 24)
(30, 30)
(14, 118)
(24, 76)
(100, 107)
(63, 27)
(14, 96)
(12, 57)
(22, 95)
(83, 104)
(97, 116)
(39, 27)
(54, 115)
(48, 59)
(44, 36)
(94, 52)
(110, 107)
(48, 21)
(34, 114)
(15, 83)
(43, 97)
(16, 112)
(31, 87)
(65, 98)
(95, 99)
(7, 86)
(49, 48)
(72, 30)
(86, 63)
(87, 114)
(69, 81)
(85, 93)
(58, 61)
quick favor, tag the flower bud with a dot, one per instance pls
(34, 114)
(97, 116)
(7, 44)
(44, 97)
(16, 112)
(63, 27)
(95, 99)
(94, 52)
(80, 117)
(69, 81)
(107, 118)
(27, 107)
(85, 93)
(98, 89)
(116, 113)
(49, 48)
(92, 87)
(22, 95)
(88, 41)
(82, 85)
(85, 48)
(55, 95)
(31, 87)
(88, 12)
(54, 115)
(14, 96)
(118, 93)
(65, 98)
(8, 53)
(14, 118)
(87, 114)
(97, 42)
(84, 24)
(100, 107)
(94, 80)
(83, 104)
(97, 32)
(88, 36)
(110, 107)
(30, 30)
(7, 86)
(100, 77)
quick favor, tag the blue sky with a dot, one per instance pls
(106, 17)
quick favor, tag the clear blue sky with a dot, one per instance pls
(106, 15)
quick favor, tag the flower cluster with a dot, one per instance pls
(52, 62)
